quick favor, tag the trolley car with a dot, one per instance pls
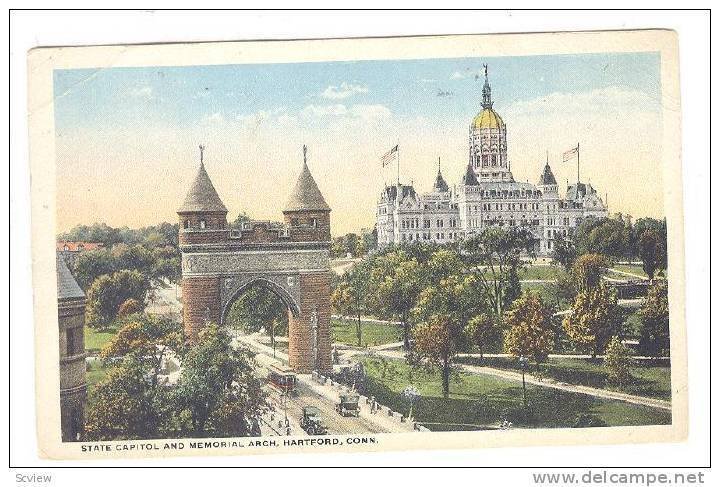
(282, 378)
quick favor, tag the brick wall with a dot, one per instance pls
(201, 302)
(301, 228)
(315, 296)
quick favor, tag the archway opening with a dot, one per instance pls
(260, 310)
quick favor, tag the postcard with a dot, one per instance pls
(353, 245)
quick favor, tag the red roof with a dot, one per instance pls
(77, 246)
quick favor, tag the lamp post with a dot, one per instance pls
(523, 367)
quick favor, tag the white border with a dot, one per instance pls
(42, 29)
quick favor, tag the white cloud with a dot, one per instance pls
(457, 75)
(325, 110)
(345, 90)
(142, 92)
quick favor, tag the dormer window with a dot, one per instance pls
(186, 224)
(66, 248)
(203, 224)
(313, 222)
(294, 222)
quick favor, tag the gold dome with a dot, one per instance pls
(488, 119)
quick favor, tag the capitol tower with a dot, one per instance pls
(488, 140)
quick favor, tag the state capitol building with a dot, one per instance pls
(488, 195)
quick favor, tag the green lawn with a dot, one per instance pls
(546, 292)
(344, 331)
(541, 272)
(485, 401)
(96, 372)
(650, 380)
(95, 340)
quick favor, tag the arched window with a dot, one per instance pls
(203, 224)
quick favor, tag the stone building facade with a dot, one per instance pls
(487, 195)
(290, 259)
(71, 323)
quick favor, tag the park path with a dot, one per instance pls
(529, 379)
(629, 274)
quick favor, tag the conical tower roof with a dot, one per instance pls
(470, 179)
(202, 195)
(547, 177)
(306, 195)
(67, 286)
(440, 185)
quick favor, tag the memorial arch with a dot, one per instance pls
(291, 259)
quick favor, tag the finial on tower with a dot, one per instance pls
(304, 154)
(438, 165)
(202, 149)
(486, 96)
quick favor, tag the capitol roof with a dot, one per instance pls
(306, 195)
(469, 179)
(440, 185)
(202, 195)
(547, 177)
(487, 119)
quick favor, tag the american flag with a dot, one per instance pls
(389, 156)
(567, 155)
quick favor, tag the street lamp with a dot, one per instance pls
(523, 367)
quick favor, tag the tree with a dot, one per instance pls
(607, 236)
(130, 307)
(107, 293)
(97, 232)
(218, 389)
(496, 254)
(530, 330)
(564, 253)
(123, 405)
(655, 318)
(239, 220)
(149, 339)
(436, 341)
(349, 296)
(91, 264)
(482, 330)
(594, 319)
(442, 264)
(652, 250)
(259, 308)
(618, 360)
(587, 271)
(442, 312)
(395, 282)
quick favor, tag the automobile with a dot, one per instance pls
(311, 421)
(349, 405)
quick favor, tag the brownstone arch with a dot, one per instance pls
(291, 259)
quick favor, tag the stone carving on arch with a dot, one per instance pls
(285, 286)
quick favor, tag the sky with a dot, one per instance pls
(127, 138)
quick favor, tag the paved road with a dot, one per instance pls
(335, 423)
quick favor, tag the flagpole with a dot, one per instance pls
(578, 163)
(398, 158)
